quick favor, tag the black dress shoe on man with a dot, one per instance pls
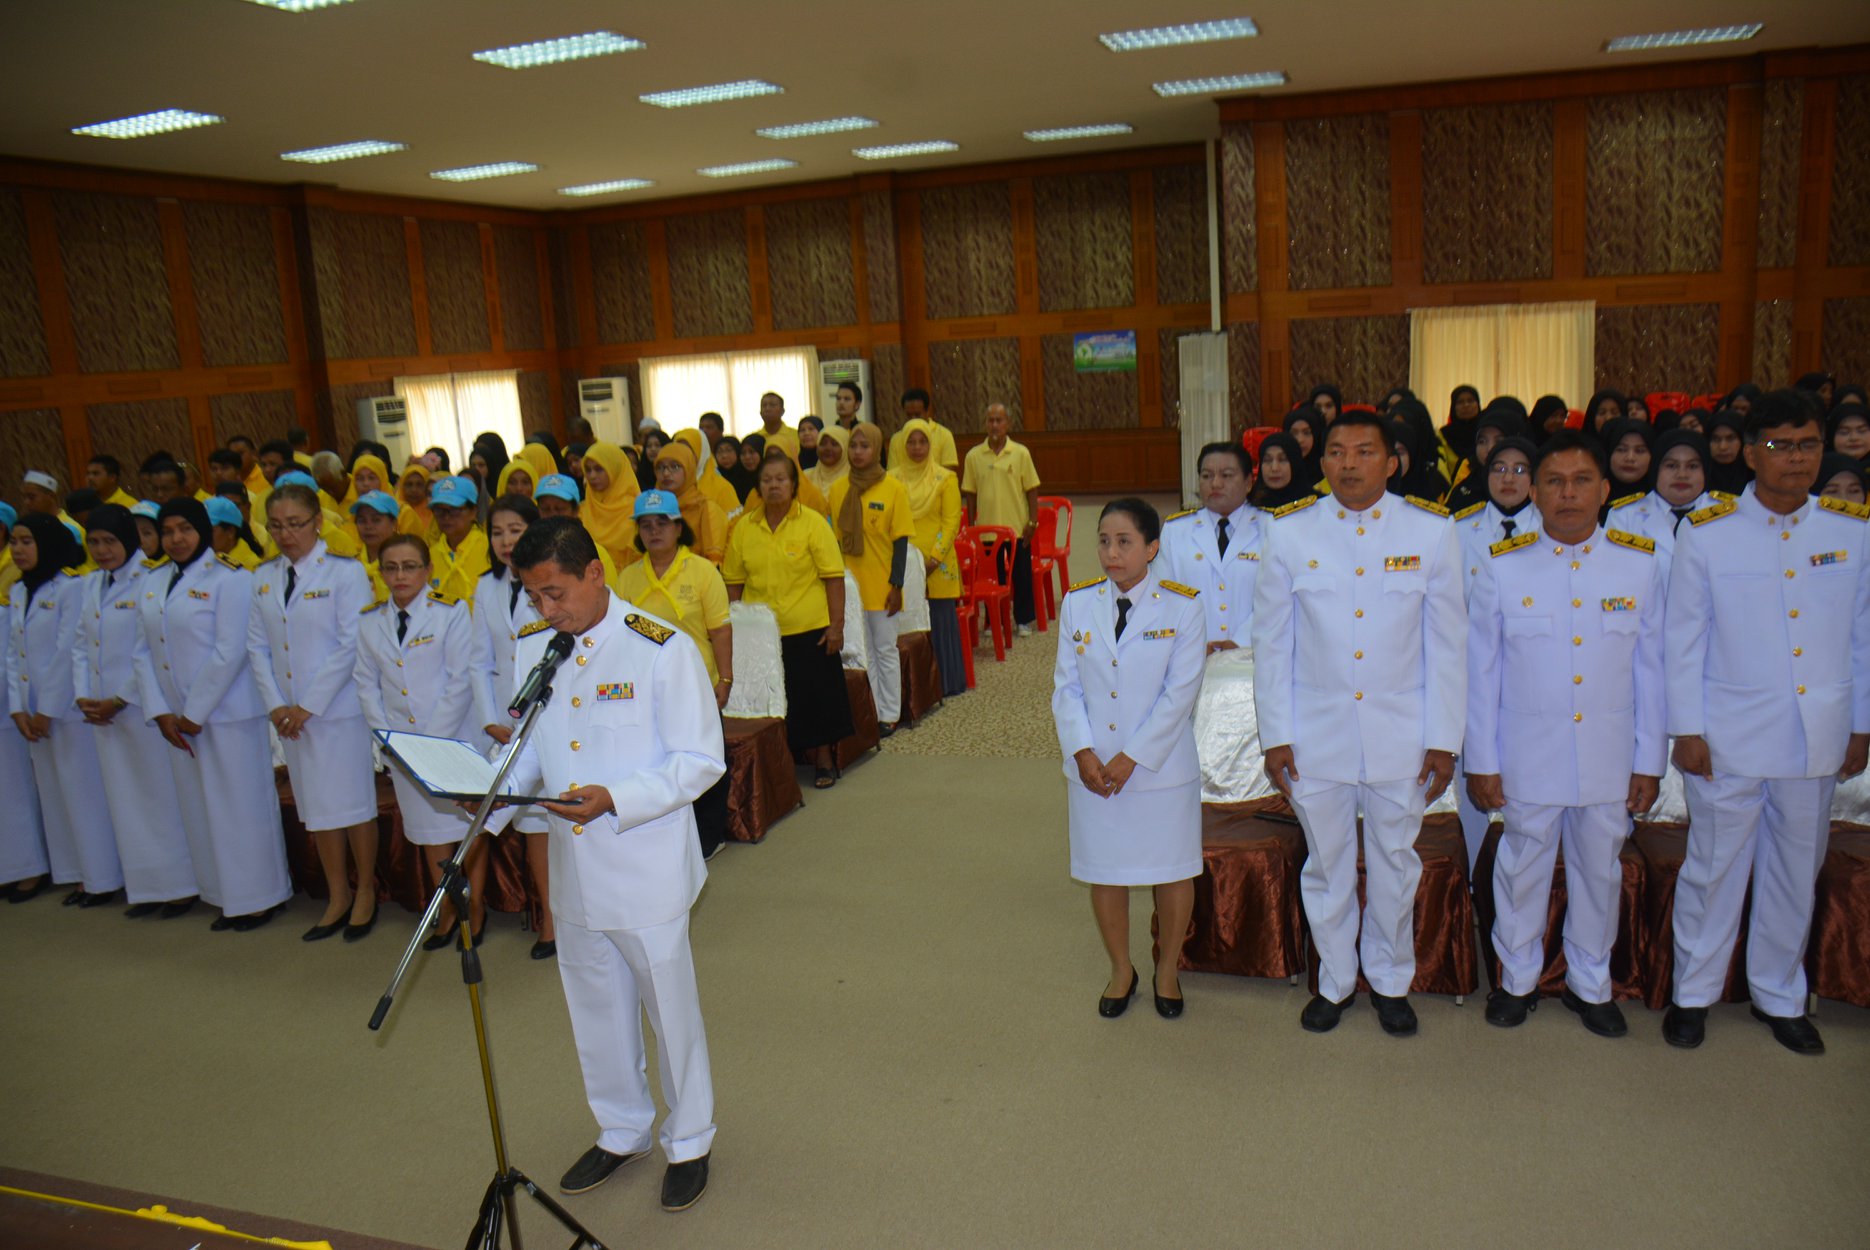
(136, 911)
(1508, 1010)
(319, 932)
(1686, 1027)
(544, 950)
(1395, 1014)
(76, 897)
(98, 900)
(1321, 1015)
(1603, 1019)
(1110, 1008)
(593, 1168)
(222, 923)
(1796, 1033)
(684, 1183)
(178, 907)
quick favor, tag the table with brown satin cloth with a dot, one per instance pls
(761, 785)
(921, 674)
(1663, 848)
(1248, 919)
(1628, 958)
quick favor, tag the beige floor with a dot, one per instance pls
(899, 988)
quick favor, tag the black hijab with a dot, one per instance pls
(1732, 478)
(1747, 391)
(1267, 497)
(492, 449)
(1423, 477)
(1669, 440)
(1458, 434)
(1505, 415)
(58, 550)
(1326, 388)
(1526, 448)
(1310, 468)
(115, 520)
(741, 478)
(1834, 463)
(195, 513)
(1614, 432)
(1544, 409)
(1590, 409)
(1838, 415)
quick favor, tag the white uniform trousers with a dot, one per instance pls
(22, 824)
(1592, 838)
(1327, 811)
(886, 666)
(192, 804)
(1474, 822)
(611, 977)
(61, 851)
(334, 776)
(87, 815)
(140, 790)
(1777, 829)
(245, 839)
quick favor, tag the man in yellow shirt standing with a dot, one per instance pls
(103, 475)
(773, 425)
(916, 405)
(1001, 487)
(258, 484)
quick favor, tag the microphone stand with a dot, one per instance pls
(500, 1204)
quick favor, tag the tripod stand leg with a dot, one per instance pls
(587, 1240)
(486, 1233)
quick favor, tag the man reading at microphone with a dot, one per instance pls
(628, 741)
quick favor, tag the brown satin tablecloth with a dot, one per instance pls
(1627, 959)
(921, 676)
(761, 784)
(1838, 958)
(1248, 918)
(1663, 848)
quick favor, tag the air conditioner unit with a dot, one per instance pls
(605, 403)
(385, 419)
(833, 374)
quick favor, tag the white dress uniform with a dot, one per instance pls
(1191, 554)
(1360, 666)
(81, 843)
(1653, 517)
(305, 654)
(138, 785)
(198, 670)
(22, 824)
(420, 684)
(1564, 704)
(1135, 696)
(1769, 661)
(499, 615)
(632, 711)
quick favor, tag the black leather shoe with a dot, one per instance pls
(136, 911)
(24, 893)
(1508, 1010)
(1109, 1008)
(1686, 1027)
(544, 950)
(1169, 1008)
(438, 939)
(222, 923)
(179, 907)
(1603, 1019)
(98, 900)
(593, 1168)
(74, 898)
(1796, 1033)
(357, 932)
(685, 1182)
(252, 921)
(1395, 1014)
(319, 932)
(1321, 1015)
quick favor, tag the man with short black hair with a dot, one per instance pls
(1000, 487)
(917, 406)
(162, 480)
(104, 475)
(715, 428)
(773, 425)
(847, 405)
(256, 482)
(301, 444)
(275, 458)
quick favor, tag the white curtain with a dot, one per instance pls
(1204, 417)
(1526, 350)
(678, 389)
(448, 410)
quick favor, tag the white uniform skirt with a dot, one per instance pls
(74, 747)
(246, 845)
(140, 790)
(427, 820)
(192, 805)
(1138, 837)
(334, 780)
(22, 825)
(60, 851)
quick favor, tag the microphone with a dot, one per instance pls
(541, 675)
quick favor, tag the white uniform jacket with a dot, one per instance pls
(1769, 635)
(498, 629)
(1650, 516)
(39, 680)
(306, 654)
(423, 684)
(110, 650)
(1482, 525)
(198, 666)
(1360, 638)
(1564, 651)
(1134, 696)
(631, 711)
(1191, 555)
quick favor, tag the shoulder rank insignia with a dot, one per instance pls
(1627, 500)
(373, 607)
(1860, 511)
(228, 561)
(1713, 512)
(69, 573)
(157, 563)
(1297, 505)
(1515, 543)
(1087, 584)
(339, 555)
(1187, 592)
(657, 634)
(1427, 505)
(1635, 542)
(1468, 511)
(527, 631)
(1723, 496)
(1176, 516)
(438, 596)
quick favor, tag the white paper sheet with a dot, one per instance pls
(447, 768)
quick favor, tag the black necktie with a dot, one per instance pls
(1679, 514)
(402, 624)
(1506, 527)
(1223, 529)
(1123, 616)
(512, 599)
(175, 579)
(292, 581)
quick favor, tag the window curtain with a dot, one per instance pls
(1524, 350)
(1203, 419)
(678, 389)
(449, 410)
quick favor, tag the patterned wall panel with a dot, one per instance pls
(1781, 133)
(535, 400)
(1084, 401)
(1338, 202)
(516, 270)
(341, 402)
(1772, 343)
(234, 271)
(888, 380)
(1846, 341)
(1487, 193)
(260, 415)
(1664, 347)
(564, 307)
(119, 287)
(30, 438)
(967, 250)
(809, 265)
(1850, 174)
(1180, 194)
(708, 274)
(1082, 235)
(880, 261)
(1654, 166)
(360, 265)
(132, 431)
(1240, 260)
(965, 377)
(1362, 356)
(1169, 375)
(1243, 375)
(457, 288)
(626, 310)
(22, 338)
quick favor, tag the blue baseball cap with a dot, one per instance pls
(453, 492)
(657, 503)
(223, 512)
(558, 486)
(295, 477)
(147, 508)
(382, 501)
(8, 515)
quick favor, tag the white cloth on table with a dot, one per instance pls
(759, 688)
(914, 618)
(856, 637)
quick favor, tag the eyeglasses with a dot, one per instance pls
(390, 570)
(1786, 446)
(1509, 470)
(289, 526)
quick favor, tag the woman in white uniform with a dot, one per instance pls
(1130, 654)
(80, 842)
(24, 869)
(302, 639)
(109, 662)
(415, 659)
(199, 689)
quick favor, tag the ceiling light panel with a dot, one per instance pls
(744, 89)
(299, 6)
(1685, 38)
(144, 124)
(474, 173)
(803, 130)
(1080, 132)
(555, 51)
(746, 167)
(343, 151)
(606, 188)
(1215, 86)
(1183, 33)
(891, 150)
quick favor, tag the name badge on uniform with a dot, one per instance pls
(1158, 633)
(1248, 555)
(1829, 557)
(1621, 603)
(265, 587)
(1402, 564)
(199, 594)
(615, 691)
(124, 603)
(874, 506)
(416, 642)
(314, 594)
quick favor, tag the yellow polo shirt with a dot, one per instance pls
(122, 498)
(691, 597)
(785, 436)
(887, 517)
(456, 571)
(785, 568)
(999, 484)
(942, 447)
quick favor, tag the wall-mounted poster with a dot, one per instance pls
(1107, 351)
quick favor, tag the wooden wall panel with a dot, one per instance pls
(1239, 218)
(360, 273)
(1772, 343)
(967, 376)
(1850, 173)
(1780, 143)
(883, 278)
(1085, 401)
(1362, 356)
(260, 415)
(620, 284)
(1338, 202)
(535, 400)
(455, 286)
(810, 264)
(708, 274)
(888, 380)
(135, 430)
(22, 337)
(31, 438)
(342, 399)
(967, 251)
(1179, 201)
(1660, 347)
(233, 268)
(1169, 375)
(522, 310)
(1082, 233)
(1487, 193)
(1654, 176)
(1244, 389)
(116, 282)
(567, 318)
(1847, 338)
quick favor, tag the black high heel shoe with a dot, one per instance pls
(357, 932)
(1167, 1008)
(1111, 1008)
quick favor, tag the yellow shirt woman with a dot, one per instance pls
(701, 513)
(785, 568)
(609, 495)
(712, 485)
(935, 503)
(822, 475)
(691, 596)
(886, 517)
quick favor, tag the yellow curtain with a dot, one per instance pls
(1524, 350)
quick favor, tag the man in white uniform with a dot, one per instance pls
(1564, 726)
(1769, 702)
(629, 741)
(1216, 548)
(1360, 682)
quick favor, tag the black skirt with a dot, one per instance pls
(818, 704)
(945, 634)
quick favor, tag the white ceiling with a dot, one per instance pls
(977, 72)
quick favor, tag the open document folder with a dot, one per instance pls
(448, 768)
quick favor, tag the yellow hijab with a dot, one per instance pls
(606, 513)
(689, 497)
(823, 475)
(524, 466)
(375, 465)
(923, 481)
(708, 473)
(850, 519)
(414, 518)
(539, 458)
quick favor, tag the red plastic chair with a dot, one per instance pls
(1711, 402)
(1574, 418)
(967, 558)
(1254, 438)
(990, 581)
(1047, 555)
(1658, 400)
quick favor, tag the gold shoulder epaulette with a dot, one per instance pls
(69, 573)
(339, 554)
(6, 597)
(373, 607)
(157, 563)
(1845, 507)
(527, 631)
(1087, 584)
(1515, 543)
(1297, 505)
(1723, 496)
(1427, 505)
(1468, 511)
(1176, 516)
(1713, 512)
(657, 634)
(1635, 542)
(1627, 500)
(1187, 592)
(442, 596)
(228, 561)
